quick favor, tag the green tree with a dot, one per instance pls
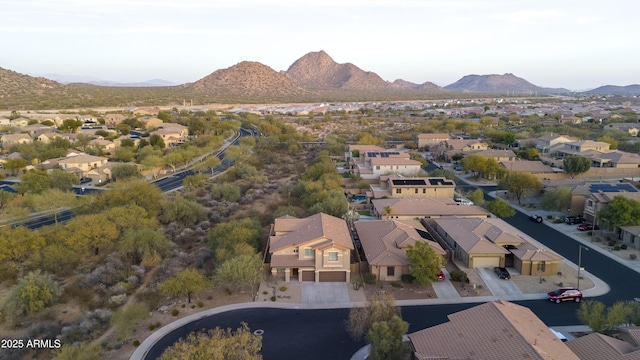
(63, 180)
(576, 165)
(32, 293)
(53, 200)
(143, 245)
(124, 153)
(369, 139)
(225, 236)
(70, 125)
(476, 196)
(91, 233)
(517, 183)
(225, 191)
(604, 320)
(446, 173)
(621, 211)
(186, 212)
(500, 208)
(188, 282)
(125, 171)
(217, 344)
(156, 141)
(556, 199)
(34, 182)
(613, 143)
(381, 307)
(174, 158)
(14, 165)
(424, 263)
(17, 244)
(386, 342)
(123, 128)
(474, 163)
(386, 211)
(240, 271)
(5, 198)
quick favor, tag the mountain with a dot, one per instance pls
(616, 90)
(13, 84)
(248, 79)
(507, 83)
(407, 85)
(74, 79)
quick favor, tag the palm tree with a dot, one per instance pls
(386, 211)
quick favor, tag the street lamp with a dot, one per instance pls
(580, 263)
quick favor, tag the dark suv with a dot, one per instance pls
(502, 273)
(572, 220)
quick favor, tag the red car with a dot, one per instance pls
(440, 276)
(587, 227)
(565, 294)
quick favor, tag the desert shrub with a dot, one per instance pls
(370, 278)
(84, 327)
(200, 304)
(612, 243)
(623, 246)
(407, 278)
(396, 285)
(458, 275)
(127, 318)
(283, 288)
(152, 327)
(617, 247)
(633, 256)
(273, 298)
(175, 312)
(136, 343)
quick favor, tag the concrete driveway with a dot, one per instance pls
(503, 289)
(324, 293)
(445, 289)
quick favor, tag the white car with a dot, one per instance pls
(463, 202)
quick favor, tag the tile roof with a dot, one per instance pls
(426, 207)
(527, 166)
(291, 261)
(596, 346)
(291, 231)
(496, 330)
(385, 242)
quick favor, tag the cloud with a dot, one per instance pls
(526, 15)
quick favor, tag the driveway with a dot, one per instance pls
(324, 293)
(445, 289)
(503, 289)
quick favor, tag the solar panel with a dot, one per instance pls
(613, 188)
(414, 182)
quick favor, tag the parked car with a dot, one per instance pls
(587, 227)
(565, 294)
(441, 276)
(457, 168)
(572, 220)
(460, 201)
(84, 180)
(536, 218)
(502, 273)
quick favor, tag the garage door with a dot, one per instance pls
(333, 276)
(488, 261)
(308, 276)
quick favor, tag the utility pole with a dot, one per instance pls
(580, 263)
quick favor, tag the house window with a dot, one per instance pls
(424, 191)
(398, 191)
(295, 250)
(590, 203)
(333, 256)
(541, 266)
(280, 270)
(308, 253)
(391, 270)
(416, 191)
(377, 167)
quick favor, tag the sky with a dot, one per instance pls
(575, 44)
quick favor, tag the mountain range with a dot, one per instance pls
(313, 77)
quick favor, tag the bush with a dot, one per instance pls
(616, 248)
(396, 285)
(283, 288)
(623, 246)
(407, 278)
(273, 298)
(136, 343)
(370, 278)
(158, 324)
(633, 256)
(611, 243)
(200, 304)
(175, 312)
(152, 327)
(459, 275)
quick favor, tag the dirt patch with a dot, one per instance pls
(400, 291)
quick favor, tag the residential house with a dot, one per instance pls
(532, 167)
(423, 208)
(88, 120)
(550, 144)
(498, 155)
(151, 122)
(630, 235)
(497, 330)
(355, 153)
(582, 147)
(4, 121)
(491, 242)
(19, 122)
(376, 164)
(113, 119)
(172, 134)
(615, 159)
(150, 111)
(400, 186)
(385, 244)
(631, 128)
(46, 137)
(602, 194)
(104, 146)
(447, 149)
(81, 164)
(35, 129)
(427, 140)
(8, 140)
(596, 346)
(317, 248)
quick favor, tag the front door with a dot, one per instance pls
(294, 274)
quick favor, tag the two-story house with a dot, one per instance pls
(601, 194)
(317, 248)
(631, 128)
(400, 186)
(172, 134)
(550, 144)
(427, 140)
(583, 147)
(8, 140)
(113, 119)
(410, 208)
(81, 164)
